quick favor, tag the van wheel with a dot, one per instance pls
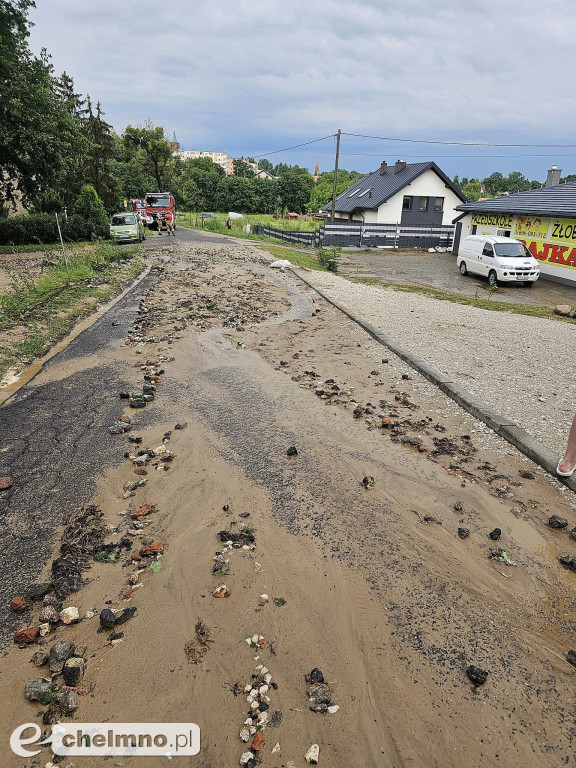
(463, 269)
(492, 277)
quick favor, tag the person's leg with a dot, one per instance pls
(568, 462)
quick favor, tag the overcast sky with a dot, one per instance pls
(251, 76)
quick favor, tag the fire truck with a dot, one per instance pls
(157, 205)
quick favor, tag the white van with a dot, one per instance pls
(500, 259)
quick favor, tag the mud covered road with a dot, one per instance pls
(346, 556)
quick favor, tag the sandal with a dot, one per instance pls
(564, 474)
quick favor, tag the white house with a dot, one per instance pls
(406, 193)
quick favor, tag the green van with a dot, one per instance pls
(126, 226)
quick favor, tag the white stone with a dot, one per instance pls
(312, 755)
(44, 629)
(264, 670)
(254, 705)
(244, 734)
(333, 709)
(247, 688)
(262, 718)
(263, 689)
(268, 678)
(248, 721)
(69, 615)
(276, 749)
(90, 614)
(245, 757)
(255, 639)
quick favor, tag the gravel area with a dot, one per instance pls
(521, 366)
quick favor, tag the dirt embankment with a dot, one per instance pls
(366, 553)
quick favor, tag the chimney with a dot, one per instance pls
(383, 167)
(399, 166)
(553, 178)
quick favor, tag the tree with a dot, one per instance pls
(152, 151)
(89, 206)
(236, 194)
(295, 189)
(266, 165)
(472, 190)
(242, 168)
(37, 130)
(517, 182)
(199, 183)
(322, 192)
(495, 184)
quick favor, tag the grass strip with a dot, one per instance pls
(457, 298)
(296, 258)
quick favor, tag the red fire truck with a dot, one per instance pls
(158, 204)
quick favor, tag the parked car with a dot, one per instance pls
(500, 259)
(210, 216)
(127, 226)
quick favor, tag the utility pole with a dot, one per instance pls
(335, 175)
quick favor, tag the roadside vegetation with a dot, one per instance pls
(41, 305)
(456, 298)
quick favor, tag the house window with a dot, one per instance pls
(365, 192)
(407, 203)
(439, 204)
(354, 193)
(423, 204)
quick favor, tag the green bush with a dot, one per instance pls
(41, 228)
(89, 206)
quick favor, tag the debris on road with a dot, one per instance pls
(313, 755)
(557, 522)
(501, 555)
(368, 481)
(495, 534)
(477, 675)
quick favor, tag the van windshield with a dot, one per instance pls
(511, 249)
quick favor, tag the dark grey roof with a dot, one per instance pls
(559, 200)
(382, 188)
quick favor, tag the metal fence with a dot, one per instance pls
(355, 234)
(301, 238)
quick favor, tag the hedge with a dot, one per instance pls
(41, 228)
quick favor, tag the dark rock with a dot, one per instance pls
(107, 618)
(368, 481)
(292, 451)
(315, 677)
(115, 636)
(134, 439)
(124, 395)
(458, 506)
(48, 718)
(557, 522)
(263, 706)
(477, 675)
(463, 533)
(276, 719)
(568, 561)
(320, 693)
(39, 689)
(126, 614)
(67, 701)
(571, 658)
(181, 426)
(73, 671)
(572, 534)
(59, 653)
(39, 589)
(495, 534)
(39, 659)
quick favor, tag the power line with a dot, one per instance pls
(380, 154)
(296, 146)
(458, 143)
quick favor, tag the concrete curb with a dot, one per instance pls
(536, 451)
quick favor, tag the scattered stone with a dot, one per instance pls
(276, 719)
(119, 427)
(572, 534)
(258, 742)
(495, 534)
(107, 618)
(333, 709)
(5, 483)
(181, 426)
(222, 591)
(312, 755)
(44, 629)
(292, 451)
(368, 481)
(564, 310)
(557, 522)
(73, 671)
(39, 659)
(49, 614)
(70, 615)
(279, 601)
(314, 677)
(39, 689)
(568, 561)
(463, 533)
(39, 589)
(276, 748)
(67, 700)
(458, 506)
(320, 697)
(477, 675)
(27, 636)
(244, 734)
(59, 654)
(571, 658)
(527, 474)
(18, 604)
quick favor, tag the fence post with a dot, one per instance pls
(396, 237)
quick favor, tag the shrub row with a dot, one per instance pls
(41, 228)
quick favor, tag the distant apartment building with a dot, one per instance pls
(220, 158)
